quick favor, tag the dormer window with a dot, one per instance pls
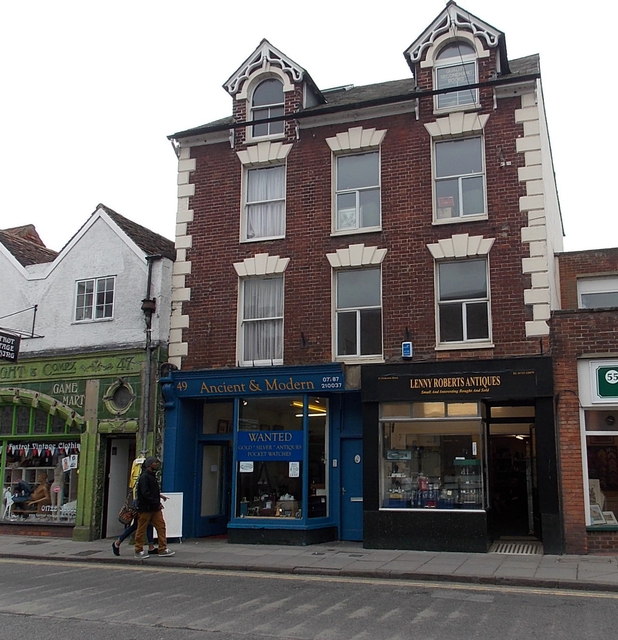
(456, 67)
(267, 102)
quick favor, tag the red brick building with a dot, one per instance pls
(584, 340)
(359, 344)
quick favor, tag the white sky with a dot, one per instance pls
(91, 90)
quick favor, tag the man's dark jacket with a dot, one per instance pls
(148, 495)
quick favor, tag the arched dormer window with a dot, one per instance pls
(455, 67)
(267, 102)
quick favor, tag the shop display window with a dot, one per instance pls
(40, 482)
(432, 456)
(602, 461)
(273, 461)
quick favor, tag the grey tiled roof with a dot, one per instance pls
(364, 95)
(524, 66)
(27, 232)
(148, 241)
(25, 251)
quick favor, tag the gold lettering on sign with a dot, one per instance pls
(222, 387)
(288, 385)
(459, 384)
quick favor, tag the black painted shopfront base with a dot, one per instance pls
(427, 530)
(282, 536)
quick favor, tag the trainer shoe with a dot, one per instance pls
(115, 548)
(166, 553)
(141, 555)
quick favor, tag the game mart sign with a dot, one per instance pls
(607, 382)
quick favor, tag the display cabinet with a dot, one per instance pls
(407, 485)
(469, 483)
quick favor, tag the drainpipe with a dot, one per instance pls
(149, 306)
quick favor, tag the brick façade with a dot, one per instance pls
(407, 229)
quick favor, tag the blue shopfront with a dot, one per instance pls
(271, 455)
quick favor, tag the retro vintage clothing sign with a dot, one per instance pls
(9, 346)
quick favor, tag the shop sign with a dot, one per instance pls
(9, 346)
(72, 368)
(262, 384)
(455, 386)
(269, 446)
(607, 382)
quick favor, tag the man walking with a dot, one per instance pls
(149, 509)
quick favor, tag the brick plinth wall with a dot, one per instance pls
(602, 541)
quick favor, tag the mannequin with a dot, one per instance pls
(57, 491)
(40, 496)
(8, 503)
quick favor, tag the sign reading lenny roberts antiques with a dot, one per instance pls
(460, 386)
(270, 445)
(607, 382)
(9, 346)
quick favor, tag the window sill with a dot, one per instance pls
(89, 321)
(454, 346)
(360, 359)
(349, 232)
(264, 239)
(273, 136)
(602, 527)
(464, 107)
(460, 219)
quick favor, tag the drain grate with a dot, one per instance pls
(33, 542)
(517, 548)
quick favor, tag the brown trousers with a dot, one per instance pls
(155, 518)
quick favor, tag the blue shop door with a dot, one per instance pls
(351, 489)
(214, 496)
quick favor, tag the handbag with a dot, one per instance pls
(127, 513)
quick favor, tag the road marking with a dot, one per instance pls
(264, 575)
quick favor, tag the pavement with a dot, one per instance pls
(345, 559)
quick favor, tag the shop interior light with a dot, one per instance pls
(318, 409)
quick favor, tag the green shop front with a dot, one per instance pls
(460, 455)
(68, 431)
(257, 453)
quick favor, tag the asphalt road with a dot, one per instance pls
(54, 599)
